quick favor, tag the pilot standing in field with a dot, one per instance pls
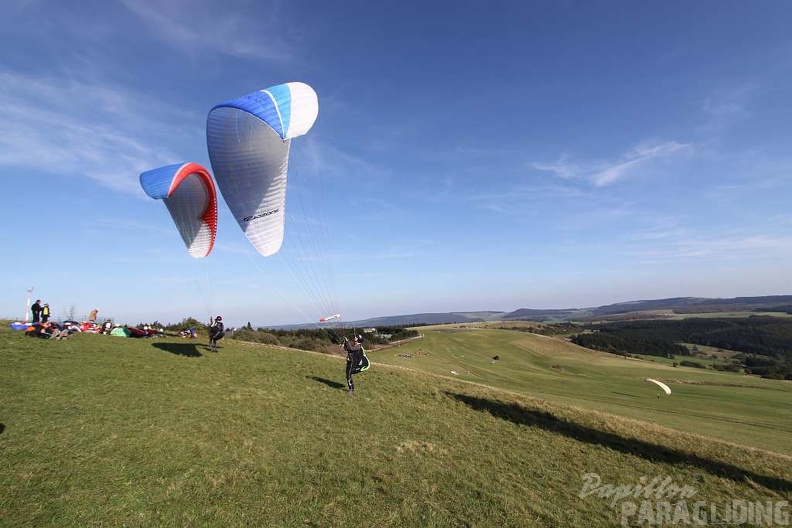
(216, 332)
(36, 309)
(356, 361)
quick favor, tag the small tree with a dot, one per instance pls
(70, 313)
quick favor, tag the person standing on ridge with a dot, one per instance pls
(36, 309)
(93, 314)
(45, 313)
(216, 332)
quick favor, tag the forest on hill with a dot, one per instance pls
(764, 343)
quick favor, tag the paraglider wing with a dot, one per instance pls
(329, 318)
(189, 194)
(660, 384)
(248, 140)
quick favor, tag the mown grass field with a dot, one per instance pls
(106, 431)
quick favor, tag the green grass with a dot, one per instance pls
(700, 351)
(701, 359)
(723, 405)
(106, 431)
(676, 359)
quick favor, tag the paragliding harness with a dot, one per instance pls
(356, 354)
(216, 333)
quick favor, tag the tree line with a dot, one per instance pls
(326, 340)
(765, 342)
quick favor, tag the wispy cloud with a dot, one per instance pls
(725, 108)
(194, 26)
(681, 246)
(630, 163)
(661, 230)
(82, 129)
(326, 159)
(637, 158)
(564, 168)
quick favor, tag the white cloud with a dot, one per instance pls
(248, 29)
(637, 158)
(681, 246)
(563, 168)
(603, 174)
(326, 159)
(81, 129)
(725, 108)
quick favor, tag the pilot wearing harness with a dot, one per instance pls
(356, 361)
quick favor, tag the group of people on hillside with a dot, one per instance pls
(41, 314)
(216, 332)
(356, 354)
(48, 330)
(356, 360)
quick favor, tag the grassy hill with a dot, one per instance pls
(105, 431)
(726, 406)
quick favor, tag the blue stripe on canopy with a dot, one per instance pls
(273, 106)
(282, 95)
(157, 182)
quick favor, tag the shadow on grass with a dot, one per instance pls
(625, 394)
(330, 383)
(180, 349)
(2, 428)
(656, 453)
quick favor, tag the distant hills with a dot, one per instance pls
(631, 309)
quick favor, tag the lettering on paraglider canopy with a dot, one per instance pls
(260, 215)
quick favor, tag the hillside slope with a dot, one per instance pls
(726, 406)
(98, 430)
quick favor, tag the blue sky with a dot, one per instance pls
(468, 155)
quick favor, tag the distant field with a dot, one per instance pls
(670, 362)
(727, 406)
(701, 351)
(705, 355)
(107, 431)
(741, 314)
